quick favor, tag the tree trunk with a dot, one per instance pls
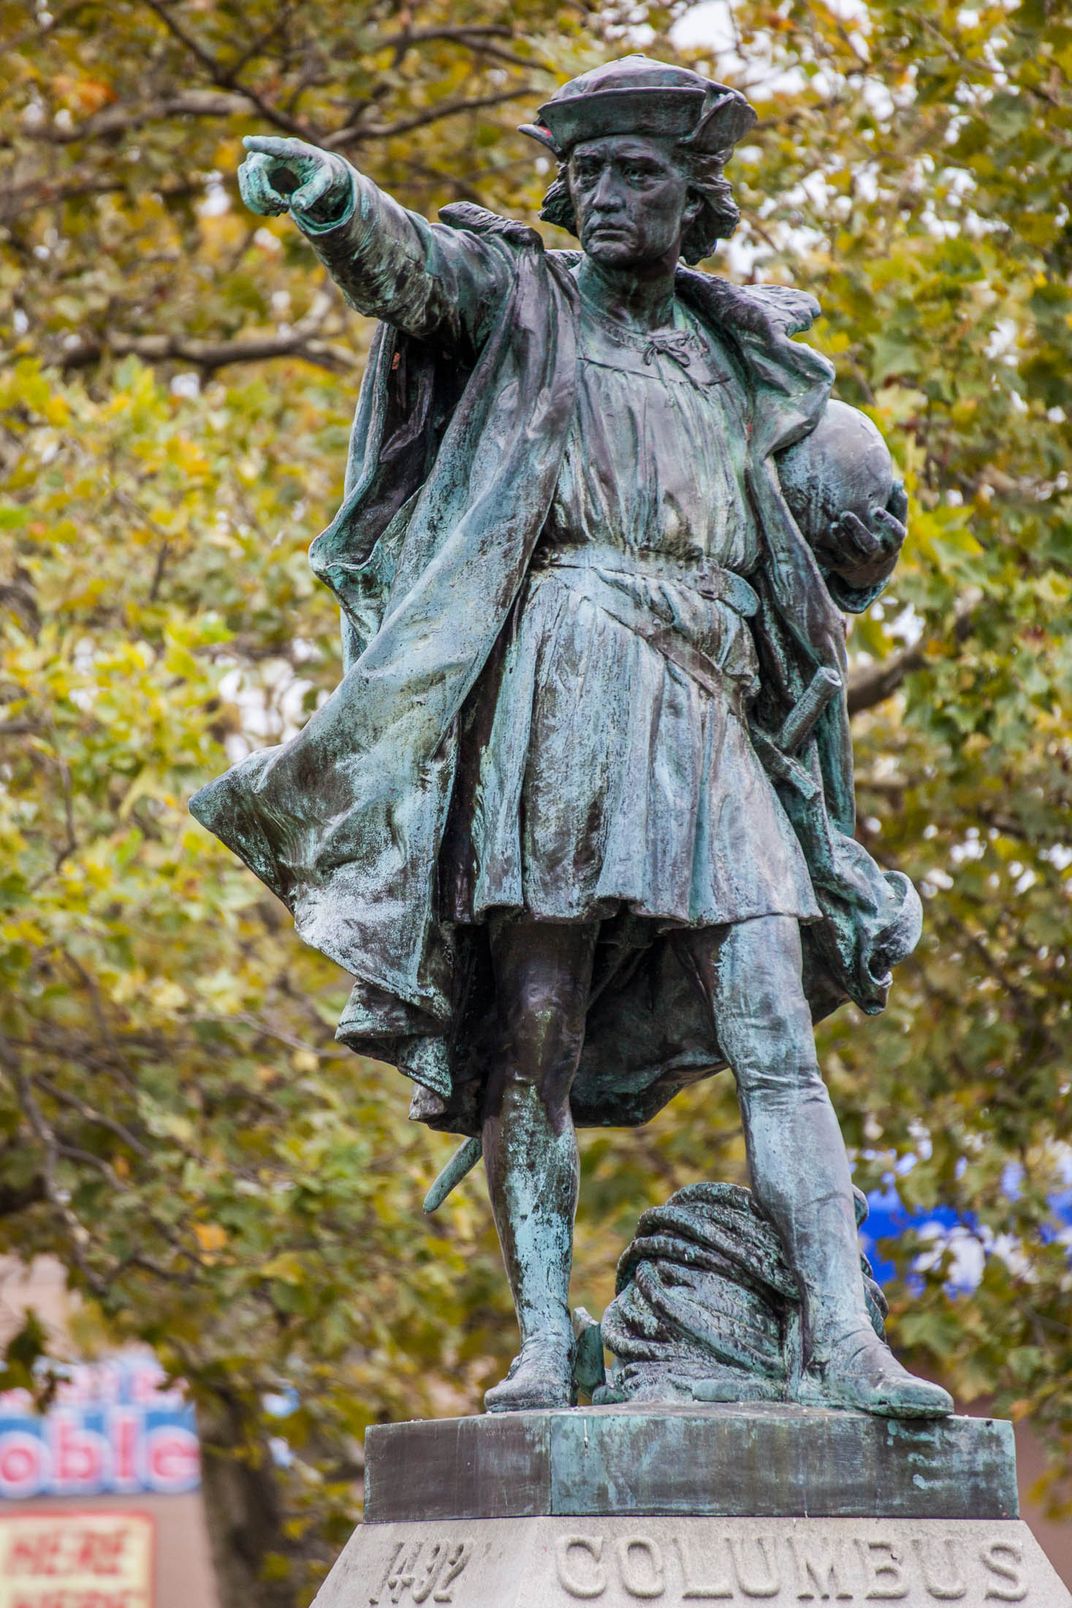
(242, 1507)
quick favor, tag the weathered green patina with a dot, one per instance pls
(579, 816)
(757, 1459)
(706, 1307)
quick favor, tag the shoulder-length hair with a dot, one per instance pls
(716, 220)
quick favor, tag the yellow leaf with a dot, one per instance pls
(288, 1268)
(210, 1236)
(86, 95)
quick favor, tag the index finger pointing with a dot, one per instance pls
(274, 145)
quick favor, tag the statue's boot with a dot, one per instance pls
(532, 1176)
(751, 979)
(540, 1376)
(846, 1364)
(861, 1371)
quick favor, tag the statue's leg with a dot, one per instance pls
(543, 975)
(750, 976)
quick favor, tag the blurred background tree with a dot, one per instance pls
(177, 1125)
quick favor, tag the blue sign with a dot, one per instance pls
(945, 1232)
(116, 1427)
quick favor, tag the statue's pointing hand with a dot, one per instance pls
(287, 175)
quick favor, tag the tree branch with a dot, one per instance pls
(209, 355)
(876, 682)
(356, 132)
(76, 186)
(52, 1191)
(42, 192)
(118, 119)
(225, 78)
(421, 36)
(96, 1118)
(470, 38)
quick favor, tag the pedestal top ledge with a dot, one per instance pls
(740, 1460)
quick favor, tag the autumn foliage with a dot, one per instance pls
(177, 1124)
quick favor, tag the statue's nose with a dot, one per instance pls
(607, 194)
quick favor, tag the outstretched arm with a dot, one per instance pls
(433, 282)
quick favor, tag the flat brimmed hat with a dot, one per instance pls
(637, 95)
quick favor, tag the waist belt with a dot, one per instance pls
(775, 754)
(775, 751)
(709, 580)
(662, 637)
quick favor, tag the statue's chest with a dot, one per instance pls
(656, 450)
(683, 355)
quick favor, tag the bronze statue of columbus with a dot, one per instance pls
(579, 816)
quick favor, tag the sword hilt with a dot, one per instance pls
(801, 720)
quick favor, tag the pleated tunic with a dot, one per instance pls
(610, 778)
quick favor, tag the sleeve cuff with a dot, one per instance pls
(312, 226)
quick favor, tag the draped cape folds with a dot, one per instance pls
(451, 473)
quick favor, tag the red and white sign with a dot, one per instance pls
(116, 1427)
(76, 1560)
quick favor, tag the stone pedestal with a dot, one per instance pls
(691, 1505)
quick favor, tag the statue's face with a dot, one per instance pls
(631, 199)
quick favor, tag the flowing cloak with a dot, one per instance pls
(454, 458)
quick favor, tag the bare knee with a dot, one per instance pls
(537, 1055)
(541, 1049)
(542, 978)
